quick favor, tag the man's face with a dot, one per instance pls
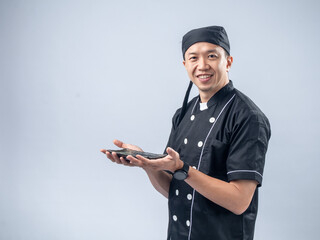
(207, 67)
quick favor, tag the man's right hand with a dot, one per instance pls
(114, 157)
(159, 179)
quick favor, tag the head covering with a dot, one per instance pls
(213, 34)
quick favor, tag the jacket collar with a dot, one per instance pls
(221, 94)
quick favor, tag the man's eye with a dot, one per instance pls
(192, 58)
(213, 56)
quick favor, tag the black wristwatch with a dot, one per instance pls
(182, 174)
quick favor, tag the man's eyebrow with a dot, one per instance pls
(209, 51)
(213, 50)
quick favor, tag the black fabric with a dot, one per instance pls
(214, 34)
(185, 102)
(234, 147)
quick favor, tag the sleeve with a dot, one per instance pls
(175, 120)
(248, 147)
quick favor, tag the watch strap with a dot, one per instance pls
(182, 173)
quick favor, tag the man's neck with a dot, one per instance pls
(205, 96)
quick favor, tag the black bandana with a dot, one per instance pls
(214, 34)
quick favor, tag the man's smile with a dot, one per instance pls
(204, 77)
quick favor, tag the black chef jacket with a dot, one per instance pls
(227, 141)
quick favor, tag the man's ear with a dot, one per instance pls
(229, 63)
(184, 63)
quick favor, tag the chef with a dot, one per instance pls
(216, 149)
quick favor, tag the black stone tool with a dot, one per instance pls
(126, 152)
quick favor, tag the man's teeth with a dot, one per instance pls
(204, 76)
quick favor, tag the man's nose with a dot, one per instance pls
(203, 64)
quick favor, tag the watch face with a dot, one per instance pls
(180, 175)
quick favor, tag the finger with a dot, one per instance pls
(142, 158)
(116, 158)
(172, 153)
(125, 162)
(103, 151)
(153, 164)
(109, 155)
(118, 143)
(134, 161)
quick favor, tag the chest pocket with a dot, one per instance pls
(214, 158)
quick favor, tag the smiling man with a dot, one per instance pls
(207, 66)
(216, 149)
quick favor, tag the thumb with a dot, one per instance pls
(118, 143)
(172, 153)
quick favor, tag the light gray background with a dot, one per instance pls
(74, 75)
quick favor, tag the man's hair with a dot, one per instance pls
(226, 53)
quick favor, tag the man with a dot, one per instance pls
(216, 149)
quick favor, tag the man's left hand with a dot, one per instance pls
(171, 162)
